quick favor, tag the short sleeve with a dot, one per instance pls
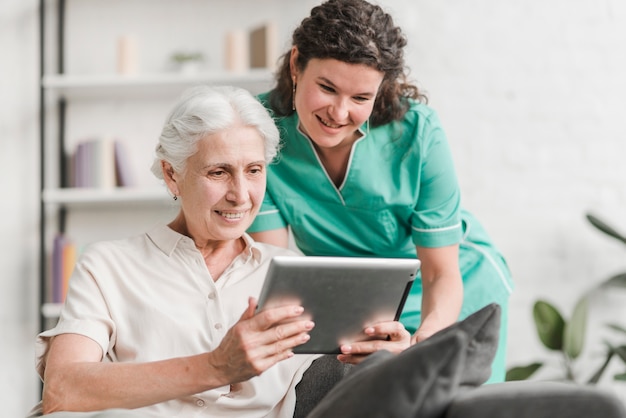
(436, 219)
(269, 217)
(84, 312)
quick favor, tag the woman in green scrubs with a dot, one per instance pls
(365, 169)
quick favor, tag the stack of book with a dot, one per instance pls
(250, 49)
(63, 261)
(100, 163)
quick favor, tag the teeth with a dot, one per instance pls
(238, 215)
(330, 125)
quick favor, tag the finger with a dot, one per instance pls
(394, 330)
(269, 318)
(249, 312)
(371, 346)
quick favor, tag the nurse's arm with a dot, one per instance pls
(278, 237)
(442, 289)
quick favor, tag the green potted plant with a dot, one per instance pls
(567, 337)
(187, 62)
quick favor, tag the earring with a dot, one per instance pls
(293, 95)
(175, 197)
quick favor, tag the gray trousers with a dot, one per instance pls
(319, 378)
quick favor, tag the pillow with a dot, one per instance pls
(483, 330)
(422, 380)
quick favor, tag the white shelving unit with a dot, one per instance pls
(58, 90)
(145, 85)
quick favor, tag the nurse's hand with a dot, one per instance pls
(259, 341)
(390, 336)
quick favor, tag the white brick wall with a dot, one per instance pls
(532, 97)
(531, 94)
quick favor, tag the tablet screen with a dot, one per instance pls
(342, 295)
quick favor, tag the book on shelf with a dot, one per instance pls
(263, 45)
(62, 263)
(100, 163)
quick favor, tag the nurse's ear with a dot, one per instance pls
(293, 67)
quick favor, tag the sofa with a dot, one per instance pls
(443, 377)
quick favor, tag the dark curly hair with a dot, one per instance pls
(356, 32)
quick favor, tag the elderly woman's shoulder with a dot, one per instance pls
(129, 246)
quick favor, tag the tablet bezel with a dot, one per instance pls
(342, 295)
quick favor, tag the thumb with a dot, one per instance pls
(250, 310)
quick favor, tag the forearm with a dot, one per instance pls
(441, 303)
(90, 386)
(442, 289)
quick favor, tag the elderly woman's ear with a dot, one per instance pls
(168, 176)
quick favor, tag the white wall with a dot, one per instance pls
(18, 220)
(530, 94)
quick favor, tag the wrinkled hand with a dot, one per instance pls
(257, 342)
(390, 336)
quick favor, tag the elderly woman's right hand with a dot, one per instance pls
(258, 341)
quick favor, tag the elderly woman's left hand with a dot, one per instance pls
(390, 336)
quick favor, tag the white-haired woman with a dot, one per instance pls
(164, 323)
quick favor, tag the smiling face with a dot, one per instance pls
(334, 98)
(222, 187)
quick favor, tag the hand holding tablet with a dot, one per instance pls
(342, 295)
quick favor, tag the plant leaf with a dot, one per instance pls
(549, 324)
(522, 372)
(604, 227)
(575, 329)
(598, 374)
(617, 327)
(621, 377)
(621, 352)
(618, 280)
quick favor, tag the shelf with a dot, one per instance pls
(142, 85)
(51, 310)
(86, 197)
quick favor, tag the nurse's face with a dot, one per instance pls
(223, 185)
(333, 99)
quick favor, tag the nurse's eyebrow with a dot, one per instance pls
(331, 84)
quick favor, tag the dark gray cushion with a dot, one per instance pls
(534, 399)
(323, 374)
(483, 331)
(422, 380)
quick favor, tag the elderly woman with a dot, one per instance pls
(165, 322)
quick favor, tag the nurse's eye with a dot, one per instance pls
(327, 88)
(361, 99)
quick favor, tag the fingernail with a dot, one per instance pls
(346, 349)
(310, 325)
(298, 309)
(369, 330)
(305, 337)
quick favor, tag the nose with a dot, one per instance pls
(237, 190)
(339, 110)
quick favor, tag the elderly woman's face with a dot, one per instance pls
(223, 186)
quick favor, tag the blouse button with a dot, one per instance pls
(218, 326)
(199, 402)
(212, 295)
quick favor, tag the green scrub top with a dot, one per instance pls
(400, 191)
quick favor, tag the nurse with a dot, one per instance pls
(365, 170)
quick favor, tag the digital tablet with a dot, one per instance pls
(342, 295)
